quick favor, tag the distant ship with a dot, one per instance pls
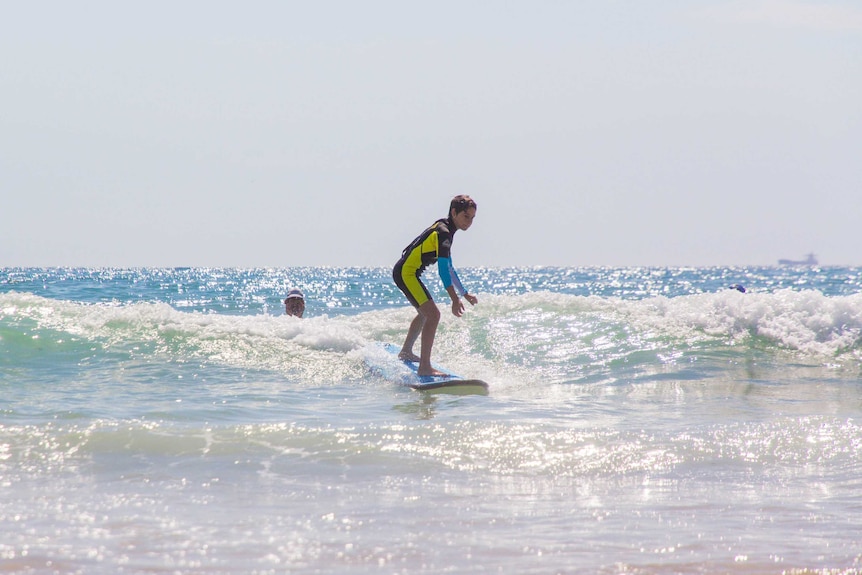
(810, 260)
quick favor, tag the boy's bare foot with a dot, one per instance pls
(408, 356)
(432, 372)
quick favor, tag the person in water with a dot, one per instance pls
(432, 245)
(294, 303)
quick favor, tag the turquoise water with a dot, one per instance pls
(642, 420)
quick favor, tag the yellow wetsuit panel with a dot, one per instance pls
(422, 252)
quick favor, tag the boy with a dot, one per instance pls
(432, 245)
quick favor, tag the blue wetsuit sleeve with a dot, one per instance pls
(449, 276)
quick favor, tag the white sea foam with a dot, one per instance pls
(806, 321)
(562, 335)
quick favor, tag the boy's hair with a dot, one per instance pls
(461, 203)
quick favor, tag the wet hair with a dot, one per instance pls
(461, 203)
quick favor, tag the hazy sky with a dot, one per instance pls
(277, 133)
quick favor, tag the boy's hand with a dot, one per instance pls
(457, 308)
(471, 298)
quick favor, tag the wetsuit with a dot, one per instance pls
(432, 245)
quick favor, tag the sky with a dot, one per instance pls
(270, 133)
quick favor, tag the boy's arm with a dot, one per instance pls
(453, 285)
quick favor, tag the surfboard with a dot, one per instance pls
(404, 373)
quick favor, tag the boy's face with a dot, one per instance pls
(464, 219)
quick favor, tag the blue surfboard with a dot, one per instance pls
(403, 372)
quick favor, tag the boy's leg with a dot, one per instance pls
(431, 315)
(425, 322)
(412, 335)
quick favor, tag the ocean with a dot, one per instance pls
(639, 421)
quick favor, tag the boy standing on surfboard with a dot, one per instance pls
(432, 245)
